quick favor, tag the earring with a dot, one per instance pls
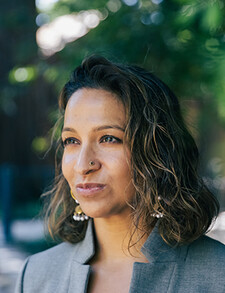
(158, 214)
(78, 215)
(91, 163)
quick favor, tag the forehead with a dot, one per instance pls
(94, 106)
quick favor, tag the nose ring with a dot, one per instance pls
(91, 163)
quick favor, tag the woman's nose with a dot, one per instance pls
(87, 161)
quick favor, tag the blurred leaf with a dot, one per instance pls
(22, 74)
(40, 145)
(213, 17)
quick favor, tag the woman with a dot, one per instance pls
(128, 202)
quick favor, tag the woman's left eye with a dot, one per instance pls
(110, 139)
(69, 141)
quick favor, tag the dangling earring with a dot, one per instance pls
(78, 215)
(158, 214)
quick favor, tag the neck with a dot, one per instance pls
(113, 239)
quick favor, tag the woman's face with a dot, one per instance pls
(94, 131)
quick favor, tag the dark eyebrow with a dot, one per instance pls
(98, 128)
(68, 129)
(103, 127)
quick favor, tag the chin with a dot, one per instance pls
(106, 214)
(97, 214)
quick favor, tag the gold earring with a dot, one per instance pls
(78, 215)
(158, 214)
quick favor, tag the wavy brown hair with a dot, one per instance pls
(164, 157)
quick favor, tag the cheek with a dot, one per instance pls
(67, 165)
(124, 177)
(124, 165)
(122, 170)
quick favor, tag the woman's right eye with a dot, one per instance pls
(68, 141)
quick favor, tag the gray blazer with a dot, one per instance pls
(195, 268)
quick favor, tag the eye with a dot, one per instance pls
(110, 139)
(68, 141)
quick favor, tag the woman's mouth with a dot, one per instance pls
(89, 189)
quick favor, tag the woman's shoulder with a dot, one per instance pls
(54, 258)
(52, 263)
(54, 254)
(207, 250)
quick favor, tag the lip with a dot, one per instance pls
(89, 189)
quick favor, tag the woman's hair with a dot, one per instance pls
(164, 157)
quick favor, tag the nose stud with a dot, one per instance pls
(91, 163)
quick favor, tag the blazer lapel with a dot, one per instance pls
(80, 270)
(151, 278)
(79, 278)
(156, 275)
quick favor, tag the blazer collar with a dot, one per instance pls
(80, 269)
(155, 276)
(155, 248)
(86, 248)
(162, 261)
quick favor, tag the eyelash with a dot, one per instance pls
(117, 140)
(71, 140)
(67, 141)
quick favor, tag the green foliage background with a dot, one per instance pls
(182, 41)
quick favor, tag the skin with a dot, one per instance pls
(94, 131)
